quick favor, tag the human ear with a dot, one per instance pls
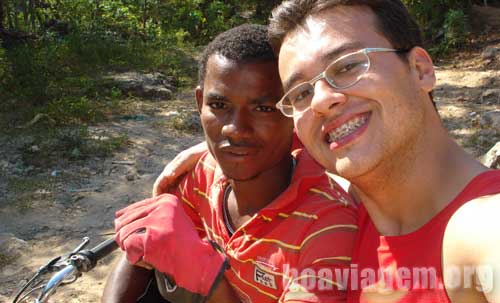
(198, 93)
(424, 69)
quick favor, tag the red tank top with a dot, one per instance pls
(408, 268)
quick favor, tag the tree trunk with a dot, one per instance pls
(2, 27)
(97, 14)
(145, 19)
(9, 17)
(16, 18)
(24, 7)
(32, 14)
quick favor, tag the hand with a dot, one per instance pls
(181, 164)
(160, 233)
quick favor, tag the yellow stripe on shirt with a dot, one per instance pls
(298, 247)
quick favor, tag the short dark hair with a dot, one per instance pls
(392, 20)
(245, 44)
(392, 17)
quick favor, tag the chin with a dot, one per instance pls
(353, 168)
(243, 175)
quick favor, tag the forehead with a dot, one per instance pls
(230, 76)
(326, 36)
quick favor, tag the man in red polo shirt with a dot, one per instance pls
(285, 230)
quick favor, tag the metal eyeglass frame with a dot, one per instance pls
(322, 75)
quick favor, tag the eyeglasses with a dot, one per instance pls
(342, 73)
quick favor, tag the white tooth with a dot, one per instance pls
(346, 128)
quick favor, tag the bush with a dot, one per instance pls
(72, 143)
(455, 27)
(62, 77)
(431, 14)
(68, 110)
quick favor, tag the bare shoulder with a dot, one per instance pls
(471, 251)
(475, 224)
(476, 215)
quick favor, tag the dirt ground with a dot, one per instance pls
(82, 197)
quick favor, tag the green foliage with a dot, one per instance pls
(443, 22)
(69, 109)
(72, 143)
(455, 26)
(431, 14)
(63, 77)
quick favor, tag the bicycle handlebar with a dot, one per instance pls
(103, 249)
(72, 265)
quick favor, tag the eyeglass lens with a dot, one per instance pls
(340, 74)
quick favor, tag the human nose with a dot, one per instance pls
(238, 125)
(325, 97)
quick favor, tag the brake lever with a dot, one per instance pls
(60, 262)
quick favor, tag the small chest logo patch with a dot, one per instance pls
(264, 278)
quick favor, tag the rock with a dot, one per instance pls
(492, 158)
(54, 173)
(153, 91)
(489, 53)
(130, 176)
(195, 122)
(4, 164)
(172, 114)
(491, 96)
(11, 247)
(34, 148)
(152, 85)
(10, 270)
(490, 120)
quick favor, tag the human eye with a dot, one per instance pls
(300, 94)
(266, 108)
(348, 65)
(216, 105)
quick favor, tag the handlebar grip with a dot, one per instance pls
(103, 249)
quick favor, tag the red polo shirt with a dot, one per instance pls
(289, 250)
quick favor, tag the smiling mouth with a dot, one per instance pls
(346, 129)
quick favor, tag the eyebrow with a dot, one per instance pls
(265, 99)
(259, 100)
(329, 56)
(215, 96)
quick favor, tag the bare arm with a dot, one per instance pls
(181, 164)
(223, 294)
(472, 245)
(126, 283)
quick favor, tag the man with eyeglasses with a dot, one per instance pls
(358, 85)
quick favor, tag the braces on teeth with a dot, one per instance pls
(346, 129)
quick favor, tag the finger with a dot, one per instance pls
(153, 216)
(134, 206)
(134, 215)
(133, 246)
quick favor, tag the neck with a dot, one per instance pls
(410, 189)
(249, 196)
